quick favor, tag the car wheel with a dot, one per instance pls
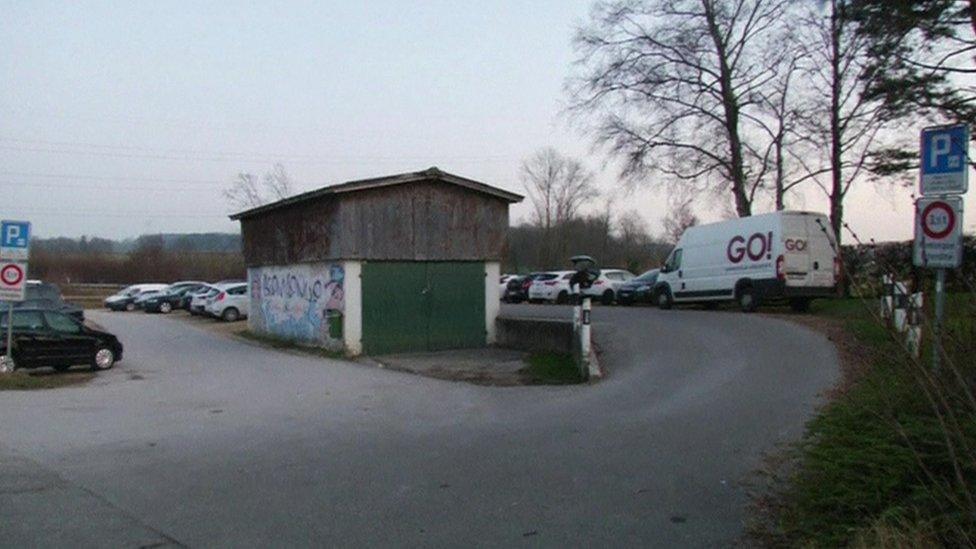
(607, 298)
(562, 297)
(130, 307)
(7, 364)
(747, 298)
(230, 314)
(103, 359)
(61, 367)
(165, 307)
(663, 298)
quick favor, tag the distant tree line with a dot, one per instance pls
(149, 258)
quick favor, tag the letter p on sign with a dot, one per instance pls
(14, 240)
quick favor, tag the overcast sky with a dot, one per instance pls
(118, 119)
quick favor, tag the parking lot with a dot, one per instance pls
(201, 439)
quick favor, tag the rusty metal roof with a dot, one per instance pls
(430, 174)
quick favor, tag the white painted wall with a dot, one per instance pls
(492, 299)
(352, 325)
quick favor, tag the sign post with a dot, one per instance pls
(14, 252)
(944, 175)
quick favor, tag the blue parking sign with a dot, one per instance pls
(14, 239)
(945, 160)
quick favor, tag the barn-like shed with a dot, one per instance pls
(407, 262)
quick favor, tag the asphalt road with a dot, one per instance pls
(199, 439)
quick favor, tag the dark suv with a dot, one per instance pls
(44, 295)
(50, 338)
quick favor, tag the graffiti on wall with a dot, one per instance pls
(299, 302)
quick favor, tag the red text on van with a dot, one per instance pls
(756, 247)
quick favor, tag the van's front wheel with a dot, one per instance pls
(663, 298)
(747, 298)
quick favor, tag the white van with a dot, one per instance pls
(751, 259)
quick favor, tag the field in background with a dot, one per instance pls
(89, 296)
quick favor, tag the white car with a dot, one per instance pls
(231, 303)
(606, 286)
(198, 301)
(552, 286)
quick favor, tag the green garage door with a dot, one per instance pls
(423, 306)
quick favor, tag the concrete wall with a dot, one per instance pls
(352, 329)
(536, 334)
(422, 221)
(492, 300)
(301, 302)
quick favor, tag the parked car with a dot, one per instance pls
(42, 337)
(605, 287)
(782, 255)
(125, 299)
(552, 286)
(44, 295)
(517, 289)
(198, 300)
(171, 298)
(503, 283)
(639, 289)
(231, 303)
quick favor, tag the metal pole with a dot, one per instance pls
(937, 326)
(10, 330)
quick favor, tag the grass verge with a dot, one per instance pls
(287, 344)
(891, 461)
(29, 381)
(547, 368)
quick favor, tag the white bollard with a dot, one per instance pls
(585, 332)
(886, 289)
(900, 304)
(913, 336)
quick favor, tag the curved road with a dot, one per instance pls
(202, 440)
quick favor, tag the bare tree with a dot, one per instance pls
(678, 219)
(846, 124)
(246, 191)
(670, 84)
(558, 187)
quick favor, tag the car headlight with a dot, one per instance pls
(644, 288)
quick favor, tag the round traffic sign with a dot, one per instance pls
(938, 220)
(11, 274)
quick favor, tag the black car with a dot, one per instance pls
(44, 295)
(639, 289)
(43, 337)
(171, 298)
(517, 289)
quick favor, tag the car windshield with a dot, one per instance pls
(547, 276)
(648, 276)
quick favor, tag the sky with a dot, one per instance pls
(120, 119)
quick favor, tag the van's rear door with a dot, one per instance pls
(808, 256)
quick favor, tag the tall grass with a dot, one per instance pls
(894, 457)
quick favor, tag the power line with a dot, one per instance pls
(122, 151)
(113, 178)
(105, 187)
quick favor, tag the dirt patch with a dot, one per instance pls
(207, 323)
(30, 380)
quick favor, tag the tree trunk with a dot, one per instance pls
(836, 131)
(743, 205)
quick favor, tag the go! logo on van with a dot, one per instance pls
(795, 244)
(757, 247)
